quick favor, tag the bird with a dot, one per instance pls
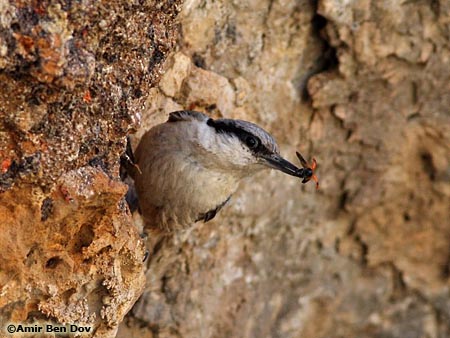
(189, 167)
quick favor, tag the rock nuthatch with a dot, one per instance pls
(191, 165)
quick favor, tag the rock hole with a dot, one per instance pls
(199, 61)
(343, 200)
(33, 316)
(406, 217)
(329, 53)
(53, 262)
(328, 59)
(318, 22)
(105, 250)
(435, 7)
(336, 277)
(211, 107)
(68, 293)
(168, 289)
(428, 166)
(84, 237)
(413, 116)
(446, 269)
(15, 27)
(156, 59)
(319, 245)
(337, 244)
(414, 93)
(364, 250)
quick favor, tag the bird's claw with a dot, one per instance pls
(308, 170)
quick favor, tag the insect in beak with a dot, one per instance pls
(308, 170)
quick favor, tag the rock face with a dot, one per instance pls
(74, 78)
(363, 87)
(360, 85)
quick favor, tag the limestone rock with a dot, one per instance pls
(361, 86)
(75, 76)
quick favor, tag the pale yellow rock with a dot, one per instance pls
(362, 86)
(178, 68)
(208, 88)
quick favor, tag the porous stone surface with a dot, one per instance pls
(360, 85)
(363, 87)
(74, 78)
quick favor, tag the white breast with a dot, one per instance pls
(179, 179)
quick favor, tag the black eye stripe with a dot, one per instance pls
(243, 135)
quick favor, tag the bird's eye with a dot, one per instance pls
(252, 142)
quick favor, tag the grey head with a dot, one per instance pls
(251, 146)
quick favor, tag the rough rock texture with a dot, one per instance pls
(362, 86)
(74, 76)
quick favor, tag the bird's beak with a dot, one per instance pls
(275, 161)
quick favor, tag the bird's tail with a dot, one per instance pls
(128, 169)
